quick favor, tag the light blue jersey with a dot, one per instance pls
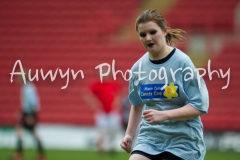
(167, 86)
(30, 99)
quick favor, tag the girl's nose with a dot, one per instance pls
(148, 37)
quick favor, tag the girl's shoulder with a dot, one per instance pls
(181, 57)
(140, 61)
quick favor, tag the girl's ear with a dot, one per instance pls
(165, 31)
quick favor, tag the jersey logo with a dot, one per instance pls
(151, 91)
(171, 91)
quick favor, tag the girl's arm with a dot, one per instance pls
(186, 112)
(134, 120)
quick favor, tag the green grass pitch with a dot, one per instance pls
(5, 154)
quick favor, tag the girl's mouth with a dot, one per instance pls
(150, 45)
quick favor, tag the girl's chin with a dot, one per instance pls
(151, 51)
(154, 50)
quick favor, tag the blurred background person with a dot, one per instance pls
(104, 98)
(27, 117)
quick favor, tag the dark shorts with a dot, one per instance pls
(163, 155)
(29, 120)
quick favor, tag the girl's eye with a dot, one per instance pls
(142, 35)
(153, 32)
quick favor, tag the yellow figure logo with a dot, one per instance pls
(170, 91)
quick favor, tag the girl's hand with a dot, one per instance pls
(126, 143)
(154, 116)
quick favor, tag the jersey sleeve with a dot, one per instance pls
(31, 98)
(195, 88)
(134, 97)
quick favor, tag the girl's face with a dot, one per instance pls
(152, 36)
